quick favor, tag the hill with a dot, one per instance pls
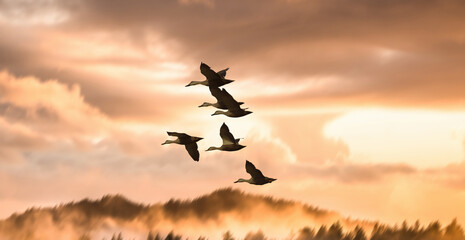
(210, 215)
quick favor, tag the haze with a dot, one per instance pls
(358, 105)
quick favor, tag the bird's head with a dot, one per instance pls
(241, 180)
(205, 104)
(211, 148)
(270, 180)
(218, 113)
(196, 139)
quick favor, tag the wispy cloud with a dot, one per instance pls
(90, 87)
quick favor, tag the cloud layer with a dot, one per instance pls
(88, 89)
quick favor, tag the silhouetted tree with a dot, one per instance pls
(335, 232)
(432, 232)
(453, 231)
(416, 226)
(150, 236)
(306, 233)
(158, 237)
(321, 234)
(172, 236)
(255, 236)
(380, 232)
(228, 236)
(117, 237)
(359, 234)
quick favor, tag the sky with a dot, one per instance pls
(357, 105)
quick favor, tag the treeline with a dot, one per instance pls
(433, 231)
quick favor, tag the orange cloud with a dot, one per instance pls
(120, 69)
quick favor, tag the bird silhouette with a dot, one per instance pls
(213, 78)
(233, 106)
(219, 95)
(188, 141)
(229, 142)
(257, 176)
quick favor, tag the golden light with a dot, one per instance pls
(420, 138)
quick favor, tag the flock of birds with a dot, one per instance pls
(224, 101)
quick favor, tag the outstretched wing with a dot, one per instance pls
(256, 174)
(193, 151)
(182, 136)
(229, 101)
(222, 73)
(216, 92)
(212, 77)
(226, 135)
(179, 135)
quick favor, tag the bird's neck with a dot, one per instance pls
(244, 180)
(213, 148)
(206, 104)
(195, 83)
(171, 141)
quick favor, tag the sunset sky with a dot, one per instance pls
(358, 106)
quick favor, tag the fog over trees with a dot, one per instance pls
(255, 217)
(433, 231)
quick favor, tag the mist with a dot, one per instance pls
(209, 216)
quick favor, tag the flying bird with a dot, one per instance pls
(257, 176)
(188, 141)
(229, 142)
(233, 106)
(219, 95)
(213, 78)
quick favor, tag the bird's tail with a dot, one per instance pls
(228, 80)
